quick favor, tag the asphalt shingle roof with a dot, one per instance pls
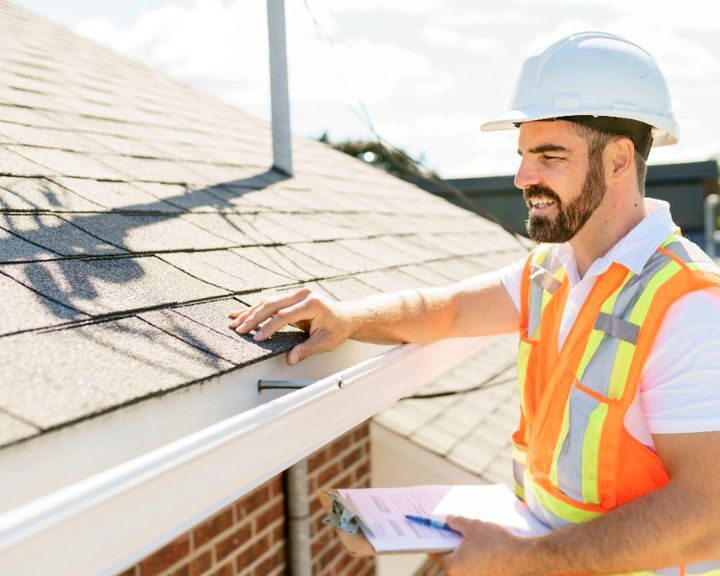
(471, 430)
(136, 212)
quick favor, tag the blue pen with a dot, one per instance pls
(430, 523)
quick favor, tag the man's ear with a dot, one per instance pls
(619, 157)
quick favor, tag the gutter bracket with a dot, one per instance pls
(290, 384)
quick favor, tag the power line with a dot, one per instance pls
(489, 382)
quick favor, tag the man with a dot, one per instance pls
(618, 446)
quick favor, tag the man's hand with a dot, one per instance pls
(486, 550)
(321, 319)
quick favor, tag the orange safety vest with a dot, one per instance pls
(573, 459)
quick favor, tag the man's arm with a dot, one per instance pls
(678, 524)
(478, 306)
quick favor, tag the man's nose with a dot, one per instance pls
(526, 174)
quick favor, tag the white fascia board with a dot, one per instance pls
(105, 523)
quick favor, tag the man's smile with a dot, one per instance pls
(540, 206)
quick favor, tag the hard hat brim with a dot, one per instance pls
(665, 130)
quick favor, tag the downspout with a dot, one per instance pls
(279, 93)
(298, 520)
(711, 236)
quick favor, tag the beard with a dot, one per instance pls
(572, 217)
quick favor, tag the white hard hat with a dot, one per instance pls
(592, 74)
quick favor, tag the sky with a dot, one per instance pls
(429, 72)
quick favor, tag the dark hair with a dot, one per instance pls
(597, 140)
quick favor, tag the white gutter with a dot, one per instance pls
(109, 521)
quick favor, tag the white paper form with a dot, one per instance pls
(383, 510)
(494, 503)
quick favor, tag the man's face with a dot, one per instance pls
(562, 187)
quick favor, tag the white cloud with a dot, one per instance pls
(395, 6)
(441, 36)
(428, 71)
(482, 44)
(436, 85)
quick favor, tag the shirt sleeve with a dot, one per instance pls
(511, 276)
(680, 383)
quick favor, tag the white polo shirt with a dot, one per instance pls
(680, 383)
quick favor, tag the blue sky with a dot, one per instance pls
(429, 71)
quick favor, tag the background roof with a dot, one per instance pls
(136, 212)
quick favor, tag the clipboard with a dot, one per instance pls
(357, 545)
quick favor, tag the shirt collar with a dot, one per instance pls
(633, 250)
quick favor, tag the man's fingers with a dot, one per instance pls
(458, 523)
(301, 311)
(317, 343)
(257, 314)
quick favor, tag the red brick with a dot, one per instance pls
(212, 527)
(244, 560)
(182, 571)
(224, 570)
(252, 553)
(266, 518)
(280, 555)
(362, 431)
(328, 556)
(276, 487)
(319, 542)
(328, 473)
(166, 556)
(317, 458)
(233, 542)
(278, 533)
(200, 564)
(352, 458)
(252, 501)
(265, 567)
(315, 505)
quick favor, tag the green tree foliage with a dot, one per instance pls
(392, 160)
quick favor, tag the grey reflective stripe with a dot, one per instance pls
(690, 252)
(570, 458)
(534, 309)
(632, 291)
(519, 472)
(544, 279)
(702, 567)
(599, 369)
(673, 571)
(617, 327)
(545, 516)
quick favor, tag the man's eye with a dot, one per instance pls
(546, 157)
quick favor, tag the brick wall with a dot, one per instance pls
(344, 463)
(248, 537)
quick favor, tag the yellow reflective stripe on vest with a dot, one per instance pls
(565, 512)
(558, 447)
(524, 350)
(591, 454)
(626, 351)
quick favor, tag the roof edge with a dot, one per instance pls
(228, 458)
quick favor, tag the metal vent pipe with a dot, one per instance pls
(279, 93)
